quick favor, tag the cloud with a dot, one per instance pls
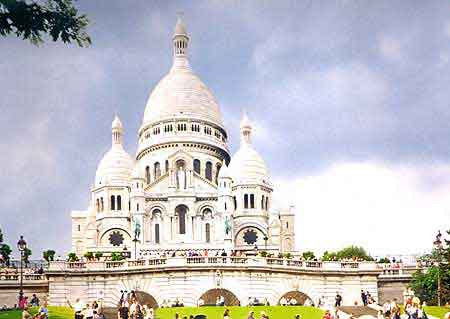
(385, 208)
(390, 48)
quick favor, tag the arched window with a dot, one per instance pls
(225, 205)
(235, 202)
(246, 201)
(218, 166)
(262, 203)
(208, 233)
(147, 174)
(208, 171)
(157, 170)
(119, 202)
(267, 203)
(97, 205)
(102, 206)
(197, 166)
(113, 202)
(156, 233)
(166, 167)
(137, 206)
(252, 201)
(181, 212)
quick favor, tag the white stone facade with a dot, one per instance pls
(182, 190)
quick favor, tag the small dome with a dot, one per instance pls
(224, 171)
(247, 166)
(115, 167)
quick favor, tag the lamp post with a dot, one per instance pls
(135, 241)
(265, 242)
(438, 246)
(21, 246)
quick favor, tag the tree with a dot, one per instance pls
(329, 256)
(98, 255)
(48, 255)
(30, 20)
(425, 282)
(308, 255)
(26, 255)
(5, 252)
(89, 255)
(353, 252)
(72, 257)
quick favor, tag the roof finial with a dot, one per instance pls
(180, 41)
(246, 129)
(117, 130)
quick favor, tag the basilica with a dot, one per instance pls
(182, 190)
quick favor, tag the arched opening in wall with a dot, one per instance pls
(157, 170)
(144, 298)
(218, 166)
(181, 211)
(97, 205)
(147, 174)
(208, 232)
(181, 174)
(245, 200)
(209, 298)
(167, 167)
(157, 234)
(197, 166)
(113, 202)
(119, 202)
(208, 171)
(296, 295)
(102, 205)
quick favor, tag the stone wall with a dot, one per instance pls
(10, 292)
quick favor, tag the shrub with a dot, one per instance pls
(72, 257)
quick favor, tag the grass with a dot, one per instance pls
(54, 313)
(437, 312)
(274, 312)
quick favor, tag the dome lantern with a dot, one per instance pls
(246, 130)
(117, 131)
(180, 41)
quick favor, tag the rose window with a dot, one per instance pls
(116, 238)
(250, 236)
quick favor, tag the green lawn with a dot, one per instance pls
(437, 312)
(55, 313)
(210, 312)
(242, 312)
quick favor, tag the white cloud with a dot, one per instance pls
(387, 209)
(390, 48)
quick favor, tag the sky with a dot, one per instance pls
(349, 101)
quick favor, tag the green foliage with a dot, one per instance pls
(26, 254)
(98, 255)
(350, 252)
(425, 284)
(288, 255)
(263, 253)
(308, 255)
(5, 252)
(89, 255)
(384, 260)
(117, 256)
(329, 256)
(32, 19)
(48, 255)
(72, 257)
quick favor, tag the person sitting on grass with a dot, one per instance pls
(264, 315)
(25, 313)
(43, 310)
(250, 315)
(297, 316)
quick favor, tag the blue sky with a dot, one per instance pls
(349, 99)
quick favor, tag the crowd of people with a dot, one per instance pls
(82, 310)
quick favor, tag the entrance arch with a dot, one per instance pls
(146, 299)
(299, 297)
(210, 297)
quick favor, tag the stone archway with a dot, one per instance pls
(146, 299)
(210, 297)
(299, 297)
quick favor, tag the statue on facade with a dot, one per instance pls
(181, 178)
(227, 225)
(137, 227)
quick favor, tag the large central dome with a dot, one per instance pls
(181, 93)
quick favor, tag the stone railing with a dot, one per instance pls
(214, 261)
(26, 277)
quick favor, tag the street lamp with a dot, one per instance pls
(265, 242)
(21, 246)
(438, 246)
(135, 241)
(126, 253)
